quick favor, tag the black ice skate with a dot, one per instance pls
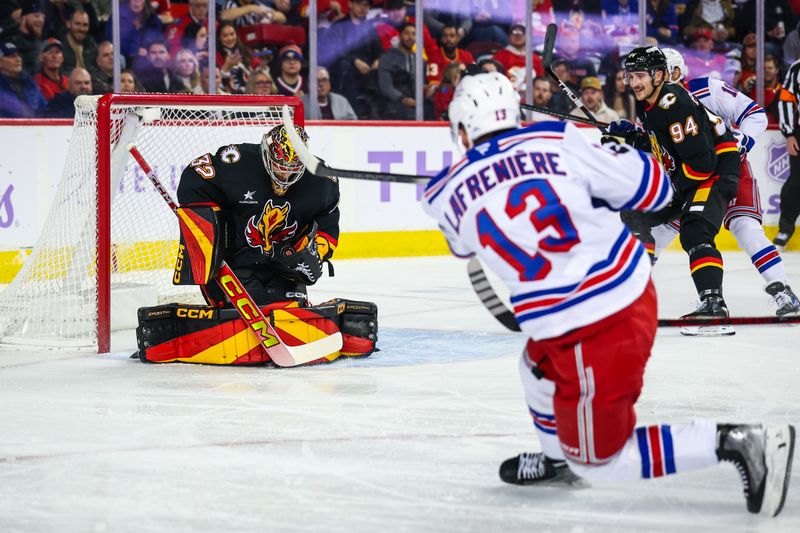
(537, 469)
(763, 457)
(785, 299)
(781, 239)
(711, 307)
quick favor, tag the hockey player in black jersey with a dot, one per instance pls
(257, 208)
(702, 159)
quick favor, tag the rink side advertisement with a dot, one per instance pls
(378, 219)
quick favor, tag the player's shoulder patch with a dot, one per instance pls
(230, 154)
(667, 100)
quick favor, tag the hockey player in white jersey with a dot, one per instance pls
(539, 206)
(747, 120)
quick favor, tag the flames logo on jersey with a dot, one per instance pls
(664, 157)
(270, 228)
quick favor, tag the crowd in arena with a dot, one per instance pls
(51, 51)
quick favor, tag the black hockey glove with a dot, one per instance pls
(300, 260)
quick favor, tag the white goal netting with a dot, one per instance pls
(54, 299)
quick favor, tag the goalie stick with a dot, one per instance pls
(318, 168)
(505, 316)
(563, 116)
(279, 352)
(547, 60)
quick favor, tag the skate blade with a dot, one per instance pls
(707, 331)
(778, 454)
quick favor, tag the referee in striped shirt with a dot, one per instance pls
(789, 117)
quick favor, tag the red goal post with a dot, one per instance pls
(109, 241)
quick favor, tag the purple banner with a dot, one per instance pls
(385, 160)
(6, 208)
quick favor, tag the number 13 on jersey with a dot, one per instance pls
(551, 217)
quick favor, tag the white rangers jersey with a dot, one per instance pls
(735, 108)
(537, 205)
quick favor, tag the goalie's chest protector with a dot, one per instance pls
(258, 218)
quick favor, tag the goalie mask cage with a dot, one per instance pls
(109, 242)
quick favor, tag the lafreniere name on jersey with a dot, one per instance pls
(508, 168)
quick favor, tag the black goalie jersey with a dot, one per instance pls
(257, 219)
(692, 144)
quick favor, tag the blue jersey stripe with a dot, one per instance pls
(769, 264)
(590, 294)
(746, 109)
(761, 253)
(540, 415)
(644, 186)
(612, 256)
(644, 451)
(549, 431)
(669, 452)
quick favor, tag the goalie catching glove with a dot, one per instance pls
(302, 260)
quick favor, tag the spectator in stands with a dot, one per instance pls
(290, 9)
(619, 96)
(289, 81)
(10, 14)
(396, 75)
(512, 57)
(196, 16)
(662, 22)
(328, 11)
(542, 92)
(491, 65)
(715, 15)
(250, 13)
(153, 72)
(329, 105)
(195, 38)
(569, 49)
(186, 70)
(446, 89)
(542, 97)
(128, 83)
(58, 12)
(447, 54)
(560, 101)
(221, 89)
(20, 97)
(772, 88)
(138, 25)
(261, 82)
(387, 25)
(28, 39)
(80, 48)
(611, 8)
(440, 13)
(778, 19)
(747, 65)
(351, 50)
(791, 46)
(102, 71)
(485, 25)
(233, 59)
(592, 97)
(63, 105)
(701, 59)
(51, 78)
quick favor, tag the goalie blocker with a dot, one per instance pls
(202, 334)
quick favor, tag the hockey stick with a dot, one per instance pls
(547, 60)
(318, 168)
(485, 292)
(732, 321)
(563, 116)
(505, 316)
(280, 353)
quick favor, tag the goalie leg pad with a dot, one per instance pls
(196, 334)
(359, 328)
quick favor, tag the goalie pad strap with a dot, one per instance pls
(201, 246)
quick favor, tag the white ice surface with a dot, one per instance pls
(408, 439)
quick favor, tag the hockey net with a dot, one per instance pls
(109, 241)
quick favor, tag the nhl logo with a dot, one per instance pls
(777, 161)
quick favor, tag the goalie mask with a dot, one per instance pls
(280, 159)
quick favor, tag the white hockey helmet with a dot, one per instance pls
(483, 103)
(675, 60)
